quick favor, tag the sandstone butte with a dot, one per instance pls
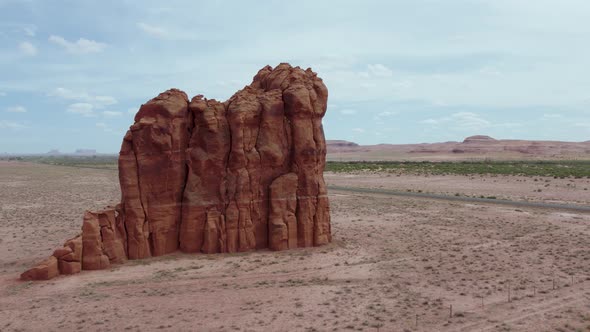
(203, 176)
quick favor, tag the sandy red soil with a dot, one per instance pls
(520, 188)
(395, 264)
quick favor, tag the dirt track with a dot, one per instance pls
(563, 207)
(394, 261)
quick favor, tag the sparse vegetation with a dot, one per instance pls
(95, 161)
(556, 169)
(550, 168)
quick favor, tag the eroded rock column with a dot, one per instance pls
(154, 152)
(214, 177)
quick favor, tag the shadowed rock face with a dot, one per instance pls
(212, 177)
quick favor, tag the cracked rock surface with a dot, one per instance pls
(206, 176)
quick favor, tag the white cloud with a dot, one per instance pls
(363, 74)
(358, 130)
(82, 46)
(30, 30)
(367, 85)
(104, 126)
(582, 124)
(347, 111)
(469, 120)
(464, 121)
(83, 109)
(152, 30)
(96, 101)
(385, 114)
(380, 70)
(551, 116)
(402, 84)
(111, 113)
(508, 125)
(16, 109)
(374, 71)
(67, 94)
(27, 48)
(11, 125)
(489, 70)
(430, 121)
(439, 103)
(103, 100)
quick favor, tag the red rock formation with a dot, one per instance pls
(93, 255)
(69, 257)
(212, 177)
(205, 194)
(282, 217)
(152, 174)
(45, 270)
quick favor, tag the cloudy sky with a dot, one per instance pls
(73, 73)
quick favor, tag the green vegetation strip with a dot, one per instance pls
(98, 162)
(557, 169)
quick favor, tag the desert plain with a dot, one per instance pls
(395, 263)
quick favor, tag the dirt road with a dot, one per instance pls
(564, 207)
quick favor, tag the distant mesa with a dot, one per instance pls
(476, 146)
(53, 152)
(341, 144)
(479, 139)
(85, 152)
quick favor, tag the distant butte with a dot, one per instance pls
(341, 144)
(478, 139)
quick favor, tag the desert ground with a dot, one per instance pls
(518, 188)
(477, 147)
(395, 263)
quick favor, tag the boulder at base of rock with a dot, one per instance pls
(75, 244)
(45, 270)
(66, 267)
(93, 257)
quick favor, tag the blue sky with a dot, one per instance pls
(73, 73)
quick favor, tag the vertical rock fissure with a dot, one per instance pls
(190, 127)
(316, 164)
(225, 193)
(141, 202)
(227, 202)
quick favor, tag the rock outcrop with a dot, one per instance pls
(45, 270)
(214, 177)
(340, 144)
(479, 139)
